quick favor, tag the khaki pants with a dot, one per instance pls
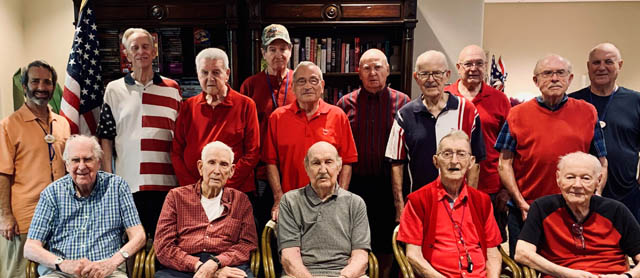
(12, 261)
(45, 272)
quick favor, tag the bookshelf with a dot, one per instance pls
(183, 28)
(335, 33)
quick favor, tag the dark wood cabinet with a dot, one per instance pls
(384, 24)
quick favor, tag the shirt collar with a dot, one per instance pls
(228, 100)
(452, 103)
(226, 194)
(28, 116)
(562, 102)
(128, 79)
(313, 198)
(370, 95)
(442, 193)
(323, 108)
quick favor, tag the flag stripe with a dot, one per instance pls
(158, 122)
(156, 168)
(155, 145)
(152, 99)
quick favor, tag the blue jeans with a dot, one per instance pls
(514, 224)
(172, 273)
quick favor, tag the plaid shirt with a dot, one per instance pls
(505, 140)
(76, 227)
(184, 229)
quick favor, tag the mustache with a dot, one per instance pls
(322, 176)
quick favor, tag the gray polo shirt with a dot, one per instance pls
(326, 232)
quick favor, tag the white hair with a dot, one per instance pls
(577, 156)
(217, 145)
(307, 64)
(429, 53)
(75, 139)
(212, 54)
(129, 32)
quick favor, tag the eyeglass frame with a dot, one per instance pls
(424, 75)
(469, 64)
(448, 154)
(550, 73)
(317, 81)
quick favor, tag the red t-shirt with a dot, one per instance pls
(291, 134)
(493, 107)
(257, 88)
(233, 122)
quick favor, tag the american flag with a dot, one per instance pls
(498, 76)
(83, 86)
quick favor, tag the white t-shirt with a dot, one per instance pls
(212, 207)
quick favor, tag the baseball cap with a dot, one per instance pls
(274, 32)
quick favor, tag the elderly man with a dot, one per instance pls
(81, 218)
(206, 229)
(219, 113)
(529, 153)
(371, 110)
(269, 89)
(31, 144)
(419, 126)
(493, 107)
(577, 234)
(449, 226)
(619, 118)
(323, 229)
(136, 122)
(295, 127)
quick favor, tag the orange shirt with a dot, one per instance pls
(24, 155)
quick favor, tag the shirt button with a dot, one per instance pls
(206, 236)
(461, 257)
(460, 241)
(205, 250)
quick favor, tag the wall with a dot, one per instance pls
(524, 32)
(447, 26)
(36, 29)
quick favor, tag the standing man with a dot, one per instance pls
(493, 107)
(619, 116)
(219, 113)
(529, 153)
(269, 89)
(371, 110)
(448, 226)
(136, 128)
(295, 127)
(421, 124)
(31, 143)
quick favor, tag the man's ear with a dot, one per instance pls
(200, 167)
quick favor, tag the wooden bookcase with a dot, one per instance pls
(384, 24)
(175, 22)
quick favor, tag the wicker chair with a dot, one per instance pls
(267, 254)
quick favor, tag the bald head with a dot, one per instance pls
(323, 164)
(471, 52)
(472, 66)
(606, 47)
(432, 57)
(551, 58)
(374, 70)
(604, 65)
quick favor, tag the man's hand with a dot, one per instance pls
(525, 210)
(99, 269)
(501, 200)
(207, 270)
(612, 276)
(230, 272)
(574, 273)
(274, 209)
(74, 267)
(8, 226)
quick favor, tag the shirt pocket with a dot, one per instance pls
(231, 230)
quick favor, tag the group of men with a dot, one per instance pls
(333, 177)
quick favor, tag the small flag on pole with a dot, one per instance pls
(83, 87)
(498, 76)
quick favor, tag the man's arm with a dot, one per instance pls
(251, 146)
(8, 224)
(473, 175)
(357, 264)
(494, 262)
(419, 263)
(292, 263)
(397, 170)
(273, 176)
(345, 176)
(107, 267)
(34, 251)
(107, 156)
(508, 179)
(526, 254)
(603, 181)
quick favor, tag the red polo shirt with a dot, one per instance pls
(291, 134)
(448, 251)
(493, 107)
(233, 122)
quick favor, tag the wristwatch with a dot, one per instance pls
(216, 260)
(124, 254)
(57, 263)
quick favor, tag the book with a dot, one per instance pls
(333, 55)
(323, 55)
(356, 56)
(347, 50)
(339, 56)
(318, 57)
(352, 60)
(307, 48)
(342, 48)
(328, 57)
(296, 52)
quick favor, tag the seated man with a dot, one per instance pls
(323, 229)
(81, 217)
(449, 226)
(579, 234)
(206, 229)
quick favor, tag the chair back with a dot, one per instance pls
(509, 267)
(401, 258)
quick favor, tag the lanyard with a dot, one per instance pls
(459, 231)
(52, 151)
(606, 107)
(273, 96)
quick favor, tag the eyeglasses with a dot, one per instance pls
(550, 73)
(449, 154)
(577, 230)
(313, 81)
(436, 74)
(469, 65)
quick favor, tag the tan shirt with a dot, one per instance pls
(24, 155)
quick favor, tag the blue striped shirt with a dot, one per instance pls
(76, 227)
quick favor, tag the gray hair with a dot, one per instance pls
(307, 64)
(307, 159)
(456, 134)
(216, 145)
(212, 54)
(428, 53)
(549, 56)
(75, 139)
(129, 32)
(597, 167)
(24, 78)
